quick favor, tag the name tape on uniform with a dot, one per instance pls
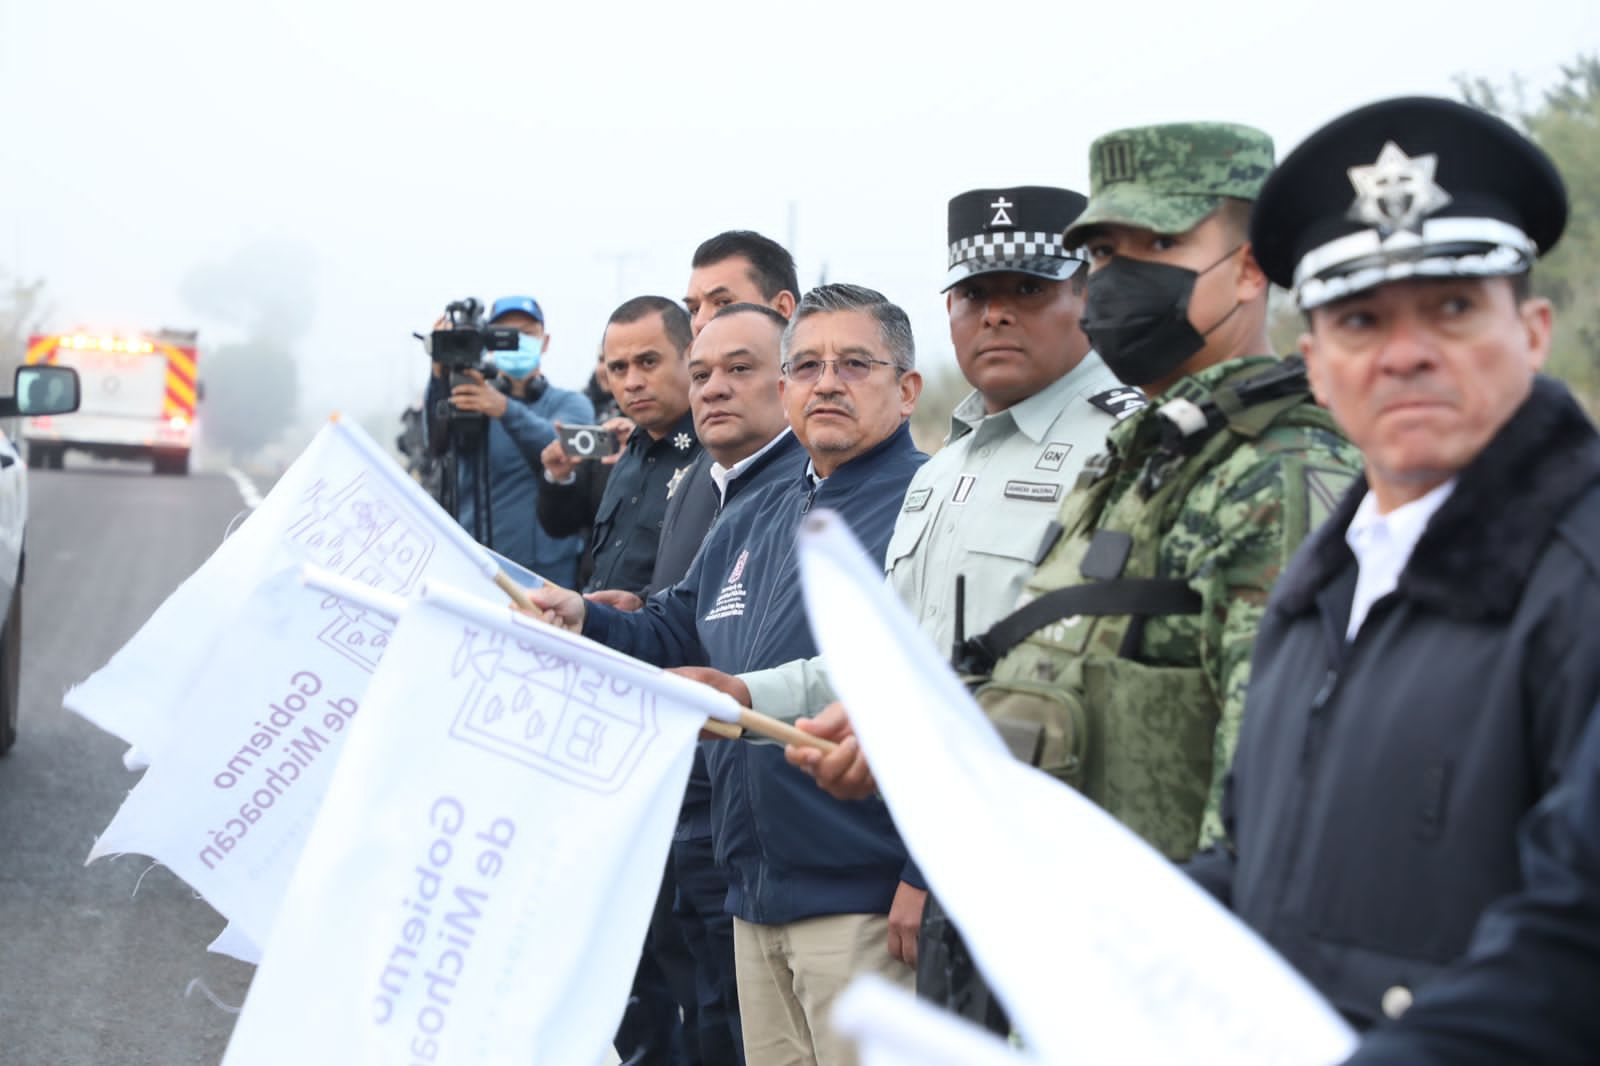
(1043, 491)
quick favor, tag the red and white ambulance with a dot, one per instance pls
(139, 395)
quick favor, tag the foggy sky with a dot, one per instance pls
(395, 156)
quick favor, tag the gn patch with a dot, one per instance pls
(1041, 491)
(1054, 455)
(916, 501)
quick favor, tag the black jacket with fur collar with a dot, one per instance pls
(1378, 784)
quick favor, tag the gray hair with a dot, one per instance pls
(894, 328)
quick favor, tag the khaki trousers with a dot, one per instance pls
(789, 976)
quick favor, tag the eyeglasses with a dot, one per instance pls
(852, 369)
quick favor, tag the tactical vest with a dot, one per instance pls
(1066, 689)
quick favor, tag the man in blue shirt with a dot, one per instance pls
(521, 408)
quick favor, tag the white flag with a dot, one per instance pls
(891, 1027)
(478, 883)
(344, 506)
(1100, 949)
(229, 807)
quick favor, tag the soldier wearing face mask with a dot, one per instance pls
(1123, 672)
(522, 408)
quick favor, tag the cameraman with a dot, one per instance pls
(521, 407)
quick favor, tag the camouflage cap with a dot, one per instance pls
(1168, 178)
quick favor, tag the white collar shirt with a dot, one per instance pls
(1382, 544)
(723, 476)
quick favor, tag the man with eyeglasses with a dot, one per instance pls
(811, 878)
(970, 528)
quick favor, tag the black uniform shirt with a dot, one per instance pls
(627, 527)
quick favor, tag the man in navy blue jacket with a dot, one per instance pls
(811, 877)
(741, 423)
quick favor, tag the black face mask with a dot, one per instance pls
(1137, 317)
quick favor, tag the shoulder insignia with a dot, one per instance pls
(1119, 403)
(1324, 489)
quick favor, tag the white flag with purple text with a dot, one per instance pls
(1099, 948)
(344, 506)
(229, 806)
(479, 880)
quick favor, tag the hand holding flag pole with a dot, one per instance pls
(728, 720)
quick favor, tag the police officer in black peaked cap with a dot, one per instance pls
(1430, 656)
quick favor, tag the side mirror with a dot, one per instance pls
(45, 390)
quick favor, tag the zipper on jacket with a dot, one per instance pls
(752, 789)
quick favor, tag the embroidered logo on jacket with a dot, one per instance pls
(730, 601)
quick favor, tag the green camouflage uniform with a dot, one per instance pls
(1142, 715)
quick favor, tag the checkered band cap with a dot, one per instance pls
(1008, 245)
(1015, 230)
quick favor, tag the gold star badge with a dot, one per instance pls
(1397, 192)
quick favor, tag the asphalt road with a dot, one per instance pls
(92, 971)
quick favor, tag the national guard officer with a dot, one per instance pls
(1041, 404)
(1123, 673)
(1429, 659)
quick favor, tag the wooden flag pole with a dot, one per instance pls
(518, 594)
(772, 729)
(753, 721)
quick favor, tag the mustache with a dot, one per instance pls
(838, 403)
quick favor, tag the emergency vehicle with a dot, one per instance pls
(139, 396)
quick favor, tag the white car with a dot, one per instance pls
(38, 390)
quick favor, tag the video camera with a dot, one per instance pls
(462, 346)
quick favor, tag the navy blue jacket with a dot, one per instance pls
(516, 476)
(691, 512)
(791, 851)
(1528, 989)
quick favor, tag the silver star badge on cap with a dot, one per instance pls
(1397, 192)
